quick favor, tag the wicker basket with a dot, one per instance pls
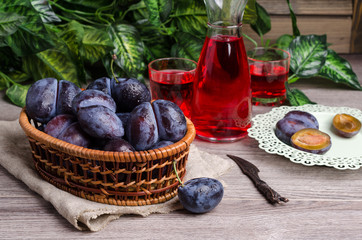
(118, 178)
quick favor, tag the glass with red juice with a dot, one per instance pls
(221, 105)
(172, 79)
(269, 68)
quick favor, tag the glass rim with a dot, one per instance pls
(172, 58)
(219, 25)
(267, 48)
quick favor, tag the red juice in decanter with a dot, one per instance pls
(221, 106)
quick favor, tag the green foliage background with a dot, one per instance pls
(75, 40)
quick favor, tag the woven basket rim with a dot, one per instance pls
(137, 156)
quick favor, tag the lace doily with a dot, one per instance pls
(345, 153)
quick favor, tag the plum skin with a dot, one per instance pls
(129, 93)
(41, 100)
(142, 131)
(100, 122)
(309, 119)
(303, 140)
(286, 127)
(201, 195)
(75, 135)
(92, 97)
(66, 93)
(58, 124)
(171, 121)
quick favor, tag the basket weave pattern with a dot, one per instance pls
(118, 178)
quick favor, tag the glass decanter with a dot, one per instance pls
(221, 104)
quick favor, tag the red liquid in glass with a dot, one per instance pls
(173, 85)
(221, 107)
(267, 82)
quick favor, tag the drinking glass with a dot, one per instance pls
(172, 79)
(269, 68)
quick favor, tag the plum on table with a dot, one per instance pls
(201, 195)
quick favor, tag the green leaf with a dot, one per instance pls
(45, 10)
(250, 14)
(308, 54)
(297, 97)
(51, 63)
(284, 41)
(18, 76)
(128, 49)
(31, 36)
(294, 20)
(17, 94)
(190, 16)
(187, 46)
(5, 81)
(9, 23)
(96, 43)
(158, 10)
(72, 36)
(339, 70)
(262, 24)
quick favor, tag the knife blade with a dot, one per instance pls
(252, 172)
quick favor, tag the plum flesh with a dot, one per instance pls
(346, 125)
(311, 140)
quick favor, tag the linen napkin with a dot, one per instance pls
(15, 156)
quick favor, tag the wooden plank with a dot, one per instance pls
(356, 34)
(309, 7)
(337, 28)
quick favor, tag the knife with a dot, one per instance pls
(252, 171)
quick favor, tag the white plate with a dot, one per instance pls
(345, 153)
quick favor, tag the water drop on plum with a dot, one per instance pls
(201, 195)
(311, 140)
(346, 125)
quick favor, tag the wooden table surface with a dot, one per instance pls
(325, 203)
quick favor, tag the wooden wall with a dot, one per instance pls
(331, 17)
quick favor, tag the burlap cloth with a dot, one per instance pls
(15, 156)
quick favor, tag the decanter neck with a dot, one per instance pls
(225, 12)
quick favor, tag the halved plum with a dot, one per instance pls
(309, 119)
(286, 127)
(311, 140)
(346, 125)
